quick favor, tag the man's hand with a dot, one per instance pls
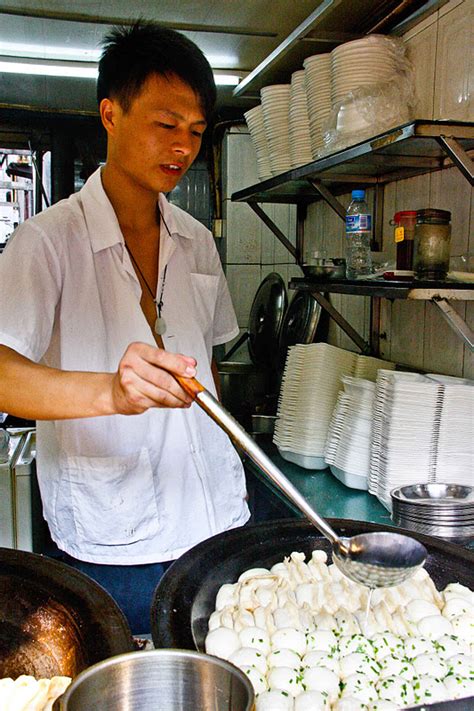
(145, 379)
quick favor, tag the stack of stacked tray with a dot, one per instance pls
(442, 510)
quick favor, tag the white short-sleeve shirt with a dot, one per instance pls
(122, 489)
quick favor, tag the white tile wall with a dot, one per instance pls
(413, 333)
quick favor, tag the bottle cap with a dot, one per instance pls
(358, 194)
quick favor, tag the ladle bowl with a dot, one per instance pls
(373, 559)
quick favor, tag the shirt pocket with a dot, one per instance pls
(205, 288)
(112, 499)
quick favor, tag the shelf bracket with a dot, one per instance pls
(342, 323)
(458, 324)
(459, 156)
(326, 194)
(276, 231)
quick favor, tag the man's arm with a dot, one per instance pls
(144, 379)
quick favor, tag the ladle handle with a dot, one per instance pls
(243, 440)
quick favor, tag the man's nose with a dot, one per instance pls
(182, 144)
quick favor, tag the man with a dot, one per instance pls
(102, 293)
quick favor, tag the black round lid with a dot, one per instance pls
(299, 324)
(266, 318)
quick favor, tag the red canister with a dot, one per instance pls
(404, 222)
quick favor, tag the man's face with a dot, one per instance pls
(154, 143)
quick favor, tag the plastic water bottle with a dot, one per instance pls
(358, 234)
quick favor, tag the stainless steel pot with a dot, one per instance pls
(160, 680)
(243, 387)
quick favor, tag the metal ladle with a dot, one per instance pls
(377, 560)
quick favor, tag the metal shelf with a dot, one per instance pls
(403, 152)
(389, 289)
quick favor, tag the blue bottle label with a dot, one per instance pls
(358, 223)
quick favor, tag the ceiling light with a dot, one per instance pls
(40, 52)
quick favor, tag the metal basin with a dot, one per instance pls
(160, 680)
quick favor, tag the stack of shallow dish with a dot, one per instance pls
(359, 63)
(254, 120)
(276, 107)
(348, 443)
(317, 71)
(442, 510)
(300, 141)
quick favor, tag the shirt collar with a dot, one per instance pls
(103, 225)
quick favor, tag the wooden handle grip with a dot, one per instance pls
(192, 386)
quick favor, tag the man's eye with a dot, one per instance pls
(197, 133)
(165, 125)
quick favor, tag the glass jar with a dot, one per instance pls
(432, 244)
(404, 222)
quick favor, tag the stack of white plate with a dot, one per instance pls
(276, 107)
(413, 437)
(349, 436)
(254, 120)
(300, 141)
(442, 510)
(317, 71)
(367, 367)
(361, 63)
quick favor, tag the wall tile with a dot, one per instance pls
(443, 350)
(454, 88)
(407, 331)
(451, 191)
(240, 167)
(421, 50)
(243, 280)
(243, 234)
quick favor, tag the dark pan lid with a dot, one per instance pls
(266, 318)
(299, 324)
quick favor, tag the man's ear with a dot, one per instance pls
(108, 114)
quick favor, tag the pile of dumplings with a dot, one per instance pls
(305, 637)
(29, 694)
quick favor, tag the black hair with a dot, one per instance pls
(132, 54)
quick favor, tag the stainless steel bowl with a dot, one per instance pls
(325, 268)
(160, 680)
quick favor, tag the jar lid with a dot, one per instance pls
(433, 214)
(404, 213)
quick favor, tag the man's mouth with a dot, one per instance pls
(172, 168)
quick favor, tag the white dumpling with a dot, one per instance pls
(214, 620)
(253, 573)
(358, 662)
(385, 643)
(347, 623)
(417, 609)
(463, 627)
(222, 642)
(310, 701)
(249, 657)
(324, 640)
(317, 658)
(226, 596)
(283, 658)
(289, 638)
(448, 645)
(430, 690)
(349, 703)
(256, 678)
(434, 627)
(285, 679)
(458, 590)
(393, 666)
(274, 701)
(457, 606)
(459, 687)
(355, 643)
(360, 687)
(323, 680)
(255, 637)
(395, 689)
(414, 646)
(325, 621)
(461, 664)
(431, 665)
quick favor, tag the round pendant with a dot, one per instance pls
(160, 326)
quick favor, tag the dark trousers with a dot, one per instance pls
(131, 586)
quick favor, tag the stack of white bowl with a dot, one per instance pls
(416, 434)
(256, 126)
(317, 71)
(276, 108)
(349, 436)
(300, 141)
